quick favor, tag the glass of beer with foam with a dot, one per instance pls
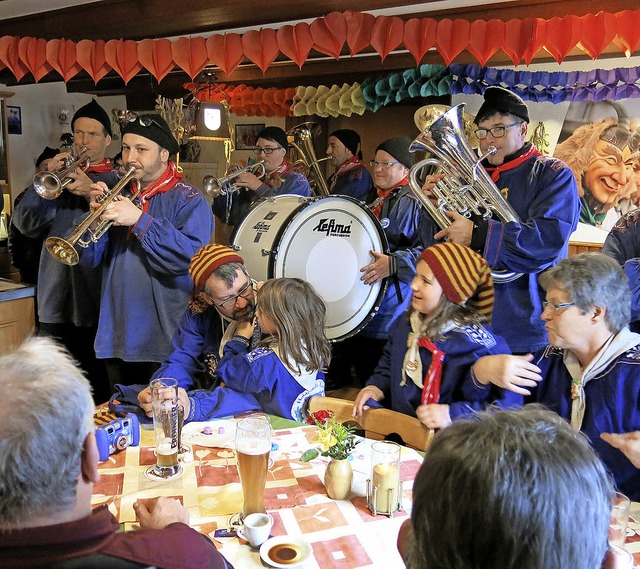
(253, 445)
(166, 428)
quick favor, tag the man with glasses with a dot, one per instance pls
(279, 178)
(146, 254)
(69, 296)
(542, 191)
(222, 304)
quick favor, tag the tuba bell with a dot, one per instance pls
(466, 188)
(300, 137)
(49, 185)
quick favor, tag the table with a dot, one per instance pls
(343, 534)
(633, 533)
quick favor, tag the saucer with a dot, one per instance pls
(285, 551)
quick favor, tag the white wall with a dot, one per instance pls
(40, 105)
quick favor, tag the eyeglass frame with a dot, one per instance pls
(267, 150)
(488, 131)
(553, 307)
(375, 163)
(227, 303)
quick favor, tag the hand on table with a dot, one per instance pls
(514, 373)
(434, 415)
(157, 513)
(369, 392)
(628, 443)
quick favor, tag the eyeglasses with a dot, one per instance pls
(496, 131)
(554, 307)
(266, 149)
(245, 292)
(375, 164)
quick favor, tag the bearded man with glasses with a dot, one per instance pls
(279, 178)
(542, 191)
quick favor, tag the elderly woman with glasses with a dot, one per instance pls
(590, 372)
(279, 178)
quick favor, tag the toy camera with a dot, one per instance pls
(118, 435)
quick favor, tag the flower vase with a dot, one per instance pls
(337, 479)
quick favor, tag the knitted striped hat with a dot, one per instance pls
(464, 275)
(207, 259)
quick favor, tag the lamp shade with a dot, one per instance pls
(212, 122)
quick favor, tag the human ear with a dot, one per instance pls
(90, 459)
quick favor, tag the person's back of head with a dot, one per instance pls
(510, 490)
(47, 412)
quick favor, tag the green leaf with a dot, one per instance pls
(310, 455)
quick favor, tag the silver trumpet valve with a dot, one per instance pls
(215, 187)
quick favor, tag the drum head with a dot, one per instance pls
(326, 243)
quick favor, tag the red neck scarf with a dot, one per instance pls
(164, 183)
(376, 206)
(495, 171)
(350, 164)
(433, 377)
(99, 167)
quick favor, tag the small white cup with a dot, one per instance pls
(256, 528)
(620, 506)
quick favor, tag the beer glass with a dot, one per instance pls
(164, 400)
(253, 445)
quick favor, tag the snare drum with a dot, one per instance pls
(324, 241)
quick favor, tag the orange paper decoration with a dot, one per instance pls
(295, 42)
(628, 31)
(33, 53)
(562, 36)
(485, 39)
(261, 47)
(225, 51)
(597, 32)
(419, 36)
(190, 54)
(359, 26)
(92, 58)
(122, 56)
(517, 37)
(156, 57)
(452, 37)
(386, 35)
(537, 39)
(61, 55)
(329, 34)
(10, 56)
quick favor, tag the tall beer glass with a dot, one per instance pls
(253, 445)
(164, 400)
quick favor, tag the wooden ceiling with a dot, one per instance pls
(114, 19)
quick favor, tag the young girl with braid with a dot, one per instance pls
(433, 345)
(284, 371)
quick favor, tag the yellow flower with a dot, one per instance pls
(325, 439)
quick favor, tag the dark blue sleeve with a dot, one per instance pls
(383, 374)
(623, 241)
(632, 270)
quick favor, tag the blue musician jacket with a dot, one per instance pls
(146, 281)
(462, 346)
(66, 294)
(255, 380)
(355, 182)
(542, 191)
(232, 208)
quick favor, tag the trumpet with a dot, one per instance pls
(49, 185)
(64, 250)
(222, 186)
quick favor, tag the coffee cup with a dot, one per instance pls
(256, 528)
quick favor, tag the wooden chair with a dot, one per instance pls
(377, 423)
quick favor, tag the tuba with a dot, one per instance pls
(301, 138)
(49, 185)
(467, 187)
(64, 250)
(222, 186)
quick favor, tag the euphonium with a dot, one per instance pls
(222, 186)
(49, 185)
(301, 138)
(467, 187)
(84, 234)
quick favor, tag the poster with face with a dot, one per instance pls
(601, 144)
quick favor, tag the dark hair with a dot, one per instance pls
(510, 490)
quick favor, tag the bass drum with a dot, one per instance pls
(324, 241)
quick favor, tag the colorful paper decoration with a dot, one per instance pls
(387, 34)
(10, 56)
(329, 34)
(33, 53)
(190, 54)
(122, 56)
(452, 36)
(359, 27)
(225, 51)
(62, 56)
(261, 47)
(92, 58)
(487, 37)
(156, 56)
(295, 42)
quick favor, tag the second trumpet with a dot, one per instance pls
(222, 186)
(49, 185)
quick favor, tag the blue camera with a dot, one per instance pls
(117, 435)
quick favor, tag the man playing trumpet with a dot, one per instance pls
(69, 297)
(542, 192)
(146, 254)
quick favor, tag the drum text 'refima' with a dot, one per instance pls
(331, 228)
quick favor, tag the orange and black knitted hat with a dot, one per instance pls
(464, 275)
(207, 259)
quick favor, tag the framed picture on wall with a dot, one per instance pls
(14, 120)
(246, 135)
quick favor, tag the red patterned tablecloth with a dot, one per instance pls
(343, 534)
(633, 533)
